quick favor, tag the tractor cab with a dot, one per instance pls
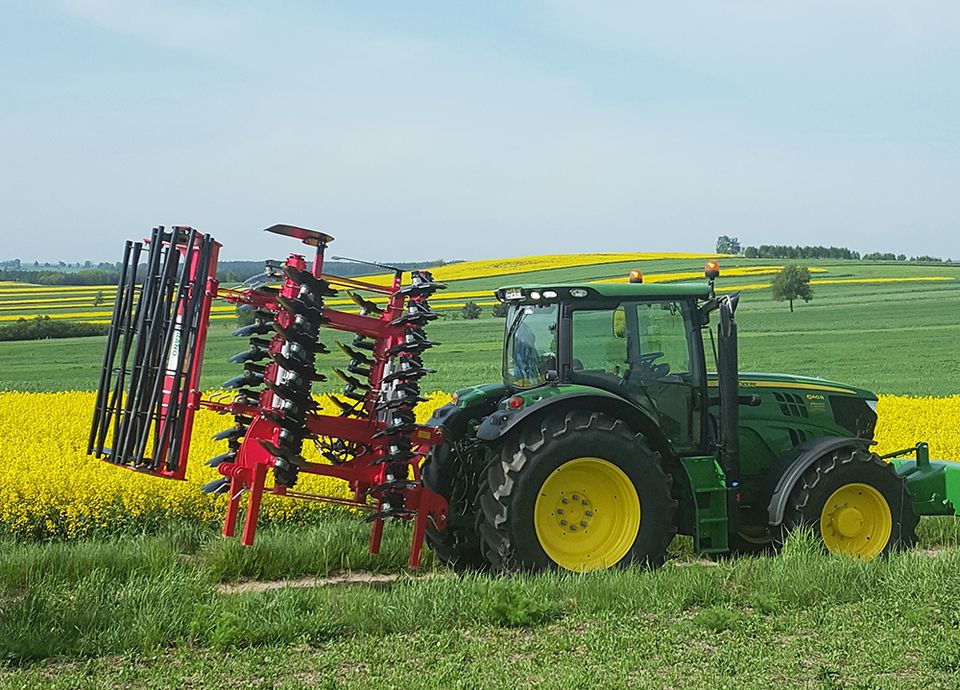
(641, 342)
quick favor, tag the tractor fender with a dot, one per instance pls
(795, 462)
(454, 419)
(500, 422)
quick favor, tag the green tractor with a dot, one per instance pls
(622, 420)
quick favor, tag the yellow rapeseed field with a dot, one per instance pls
(49, 488)
(489, 268)
(104, 316)
(19, 289)
(697, 275)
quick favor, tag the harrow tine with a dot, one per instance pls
(361, 342)
(366, 306)
(414, 319)
(399, 403)
(248, 378)
(301, 308)
(414, 347)
(281, 453)
(317, 286)
(254, 354)
(233, 433)
(291, 364)
(229, 456)
(355, 368)
(350, 380)
(216, 487)
(297, 335)
(285, 422)
(354, 354)
(257, 328)
(346, 409)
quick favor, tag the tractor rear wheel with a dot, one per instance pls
(451, 470)
(855, 503)
(578, 492)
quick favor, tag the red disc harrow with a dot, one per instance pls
(149, 387)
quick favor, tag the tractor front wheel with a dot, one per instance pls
(578, 492)
(855, 503)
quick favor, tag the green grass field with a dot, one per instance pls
(153, 611)
(896, 337)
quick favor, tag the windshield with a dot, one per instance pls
(531, 344)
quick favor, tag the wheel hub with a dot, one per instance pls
(849, 521)
(574, 512)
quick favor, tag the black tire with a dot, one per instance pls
(445, 472)
(852, 466)
(751, 540)
(541, 446)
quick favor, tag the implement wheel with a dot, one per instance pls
(579, 492)
(855, 503)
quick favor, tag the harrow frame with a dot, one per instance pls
(155, 407)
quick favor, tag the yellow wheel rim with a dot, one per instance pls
(856, 520)
(587, 514)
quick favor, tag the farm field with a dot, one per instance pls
(87, 602)
(867, 325)
(160, 612)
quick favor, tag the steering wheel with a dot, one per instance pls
(647, 371)
(647, 359)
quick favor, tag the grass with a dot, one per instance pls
(147, 613)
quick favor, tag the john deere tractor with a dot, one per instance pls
(622, 419)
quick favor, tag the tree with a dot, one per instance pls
(500, 310)
(791, 283)
(728, 245)
(98, 298)
(471, 310)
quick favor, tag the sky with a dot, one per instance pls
(455, 130)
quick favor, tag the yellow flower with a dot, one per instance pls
(466, 270)
(50, 488)
(695, 275)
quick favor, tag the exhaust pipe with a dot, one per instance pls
(729, 388)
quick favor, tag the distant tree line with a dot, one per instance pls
(731, 245)
(782, 251)
(44, 277)
(42, 327)
(227, 271)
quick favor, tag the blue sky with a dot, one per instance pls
(471, 130)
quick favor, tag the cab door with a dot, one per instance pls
(665, 366)
(649, 352)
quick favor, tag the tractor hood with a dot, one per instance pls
(750, 379)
